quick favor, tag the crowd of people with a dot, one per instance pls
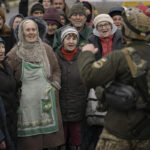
(56, 60)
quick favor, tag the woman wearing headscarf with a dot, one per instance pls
(35, 64)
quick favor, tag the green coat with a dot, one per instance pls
(114, 67)
(83, 36)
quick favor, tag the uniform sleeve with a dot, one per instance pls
(94, 73)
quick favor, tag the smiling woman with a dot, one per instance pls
(106, 37)
(39, 119)
(30, 31)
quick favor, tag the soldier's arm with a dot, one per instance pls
(94, 73)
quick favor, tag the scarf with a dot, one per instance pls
(107, 44)
(69, 55)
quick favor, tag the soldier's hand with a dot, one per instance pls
(89, 47)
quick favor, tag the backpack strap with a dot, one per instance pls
(129, 60)
(137, 68)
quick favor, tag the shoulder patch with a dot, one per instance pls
(104, 59)
(99, 63)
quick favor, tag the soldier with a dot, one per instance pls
(124, 128)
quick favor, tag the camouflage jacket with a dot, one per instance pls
(115, 67)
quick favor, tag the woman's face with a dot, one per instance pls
(70, 42)
(30, 31)
(2, 52)
(117, 21)
(104, 28)
(1, 22)
(63, 20)
(16, 22)
(52, 28)
(46, 4)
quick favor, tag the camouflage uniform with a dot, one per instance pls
(119, 126)
(110, 142)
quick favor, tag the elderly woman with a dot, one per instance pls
(106, 37)
(34, 63)
(73, 93)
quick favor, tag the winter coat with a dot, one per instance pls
(52, 139)
(94, 39)
(4, 134)
(8, 93)
(73, 93)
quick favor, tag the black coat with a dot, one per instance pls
(73, 94)
(8, 92)
(117, 43)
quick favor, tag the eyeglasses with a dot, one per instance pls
(100, 26)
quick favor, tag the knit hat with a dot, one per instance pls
(101, 18)
(115, 11)
(37, 7)
(67, 31)
(77, 8)
(2, 14)
(136, 25)
(52, 16)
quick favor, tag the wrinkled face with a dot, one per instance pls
(2, 52)
(46, 4)
(38, 13)
(117, 21)
(30, 32)
(78, 20)
(16, 22)
(70, 42)
(104, 28)
(1, 22)
(63, 20)
(59, 4)
(52, 28)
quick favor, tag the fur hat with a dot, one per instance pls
(101, 18)
(67, 31)
(136, 25)
(2, 14)
(77, 8)
(52, 16)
